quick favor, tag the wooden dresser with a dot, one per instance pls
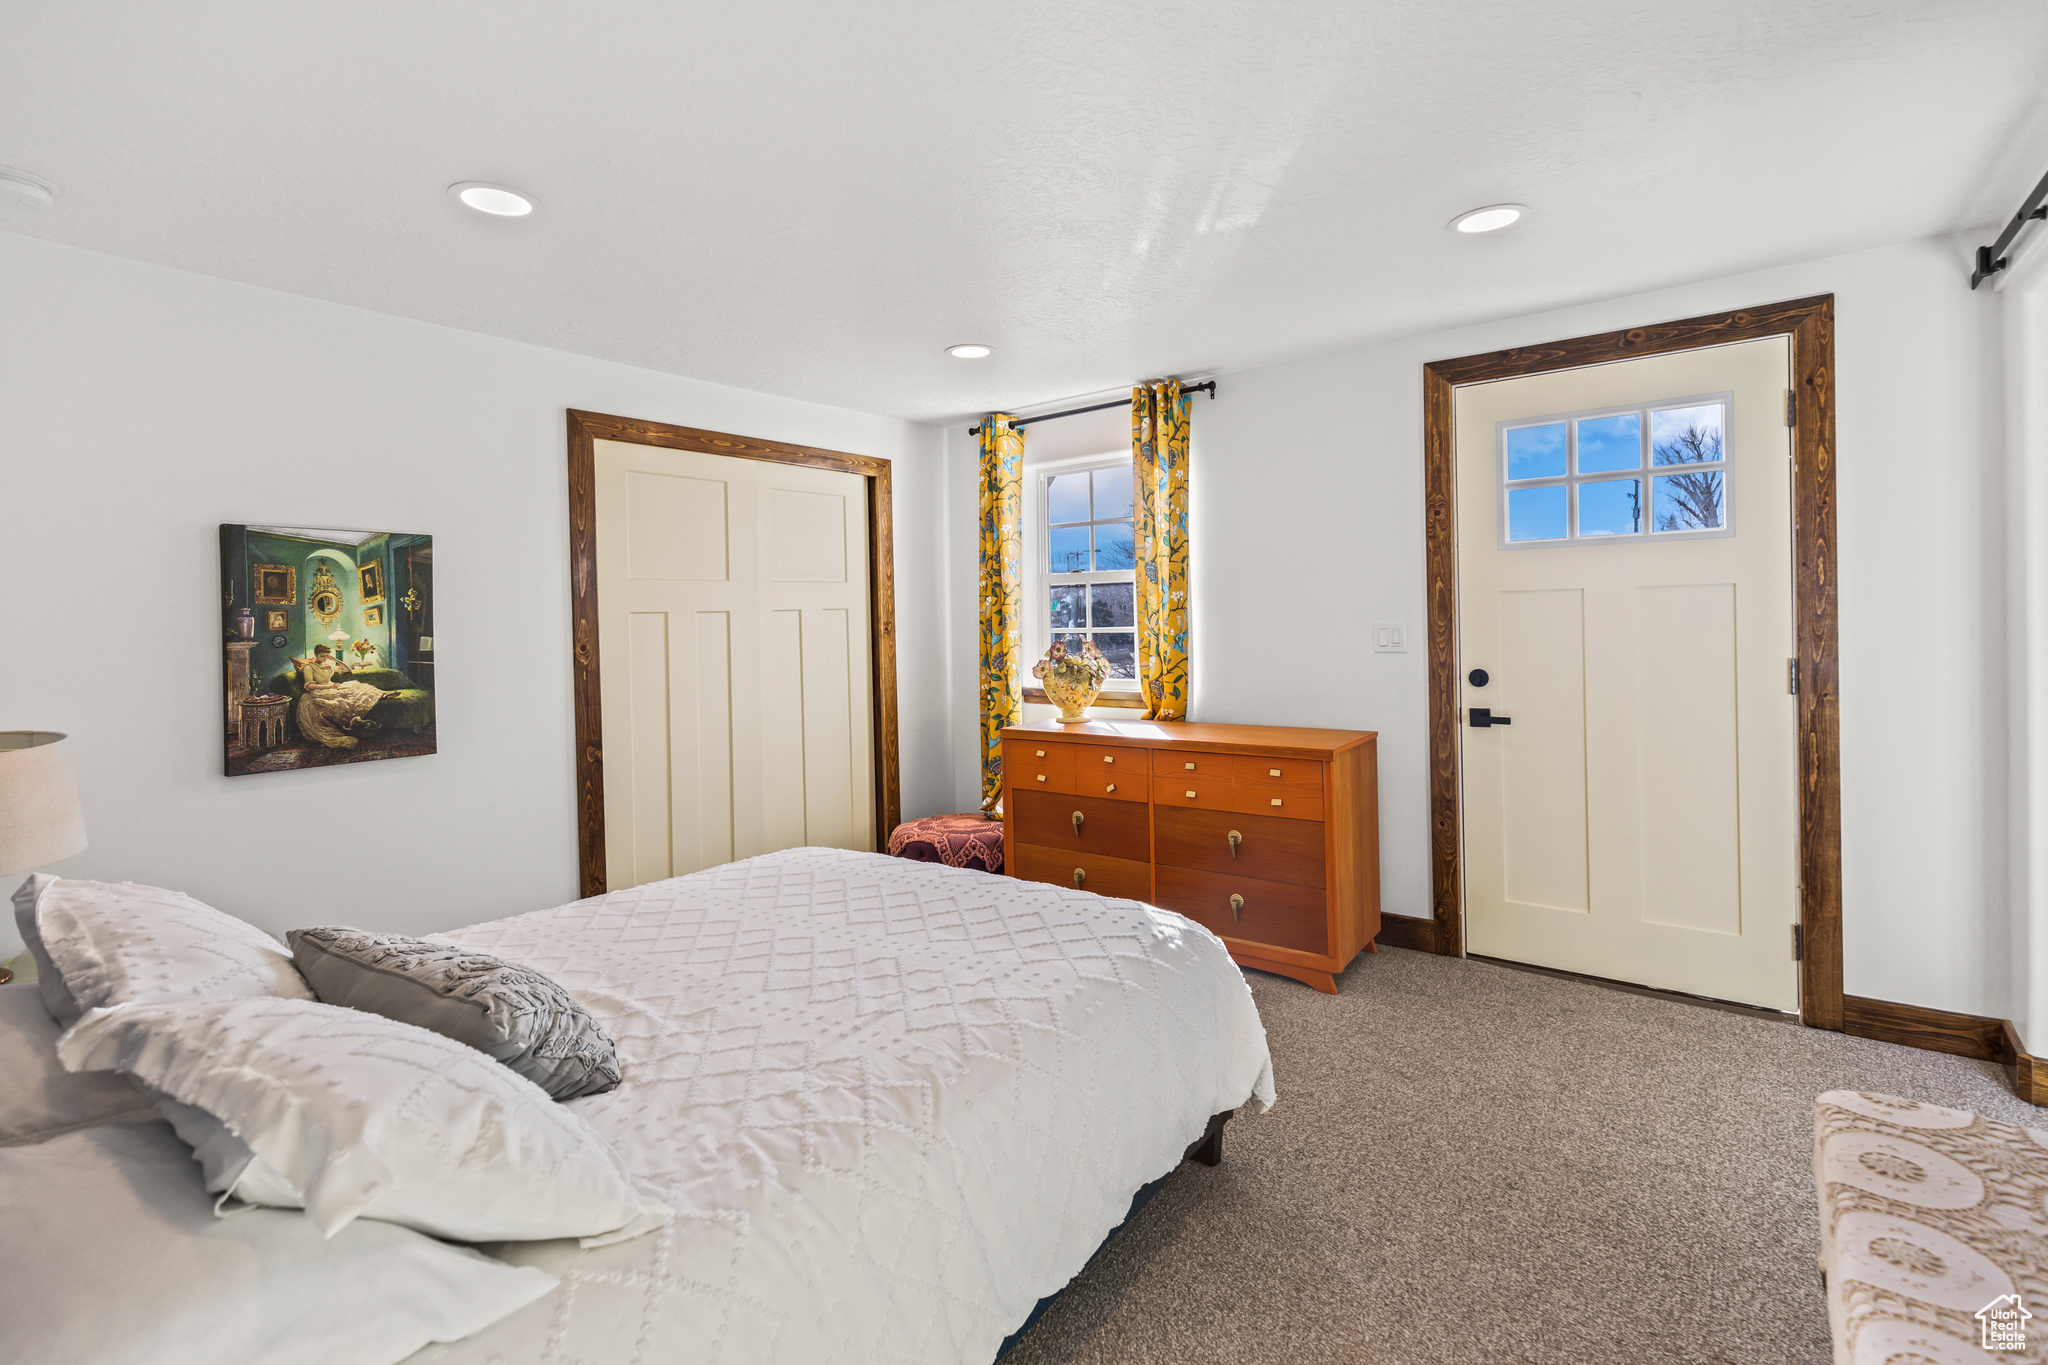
(1267, 836)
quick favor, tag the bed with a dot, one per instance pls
(893, 1105)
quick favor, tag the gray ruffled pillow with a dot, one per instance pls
(515, 1015)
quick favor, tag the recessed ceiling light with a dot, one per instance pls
(968, 350)
(1492, 218)
(492, 199)
(21, 189)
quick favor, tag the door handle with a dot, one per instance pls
(1235, 840)
(1482, 718)
(1078, 818)
(1237, 907)
(1080, 875)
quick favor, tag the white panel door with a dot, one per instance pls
(1625, 588)
(733, 659)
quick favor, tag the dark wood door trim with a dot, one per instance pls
(1810, 323)
(586, 428)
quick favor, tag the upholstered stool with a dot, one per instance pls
(1933, 1235)
(955, 840)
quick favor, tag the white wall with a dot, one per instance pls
(140, 407)
(1306, 525)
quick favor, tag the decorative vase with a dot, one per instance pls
(1072, 682)
(245, 624)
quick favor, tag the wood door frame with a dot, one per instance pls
(587, 428)
(1810, 323)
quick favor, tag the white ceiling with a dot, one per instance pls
(814, 198)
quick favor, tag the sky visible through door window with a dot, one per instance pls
(1651, 471)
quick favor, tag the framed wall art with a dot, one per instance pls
(276, 583)
(334, 678)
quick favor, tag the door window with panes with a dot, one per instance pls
(1087, 584)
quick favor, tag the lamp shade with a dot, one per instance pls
(40, 820)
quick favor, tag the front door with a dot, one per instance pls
(1628, 737)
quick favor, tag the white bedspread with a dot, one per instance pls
(892, 1103)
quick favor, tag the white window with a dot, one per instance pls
(1656, 471)
(1082, 562)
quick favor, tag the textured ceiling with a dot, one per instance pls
(813, 199)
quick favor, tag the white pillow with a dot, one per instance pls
(116, 943)
(39, 1099)
(113, 1255)
(363, 1116)
(56, 996)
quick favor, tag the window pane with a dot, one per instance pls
(1113, 604)
(1612, 507)
(1066, 498)
(1607, 443)
(1536, 513)
(1120, 647)
(1112, 493)
(1686, 435)
(1536, 452)
(1113, 548)
(1069, 549)
(1068, 608)
(1688, 502)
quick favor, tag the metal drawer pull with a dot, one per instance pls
(1272, 772)
(1276, 800)
(1112, 786)
(1041, 753)
(1041, 777)
(1189, 766)
(1078, 818)
(1235, 840)
(1237, 907)
(1106, 758)
(1191, 796)
(1080, 875)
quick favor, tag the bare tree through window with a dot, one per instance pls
(1689, 502)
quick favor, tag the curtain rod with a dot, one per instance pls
(1992, 259)
(1207, 386)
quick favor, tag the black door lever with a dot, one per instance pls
(1482, 718)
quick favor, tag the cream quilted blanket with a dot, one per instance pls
(892, 1103)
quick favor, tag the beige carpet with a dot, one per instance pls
(1470, 1163)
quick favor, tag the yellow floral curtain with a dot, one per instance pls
(1159, 464)
(1002, 593)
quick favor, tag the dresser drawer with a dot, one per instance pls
(1102, 875)
(1118, 774)
(1270, 847)
(1191, 781)
(1278, 786)
(1272, 913)
(1116, 829)
(1179, 765)
(1045, 767)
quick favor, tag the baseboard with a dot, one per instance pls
(1406, 931)
(1961, 1035)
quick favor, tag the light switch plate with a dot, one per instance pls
(1389, 637)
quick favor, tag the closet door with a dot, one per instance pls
(733, 659)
